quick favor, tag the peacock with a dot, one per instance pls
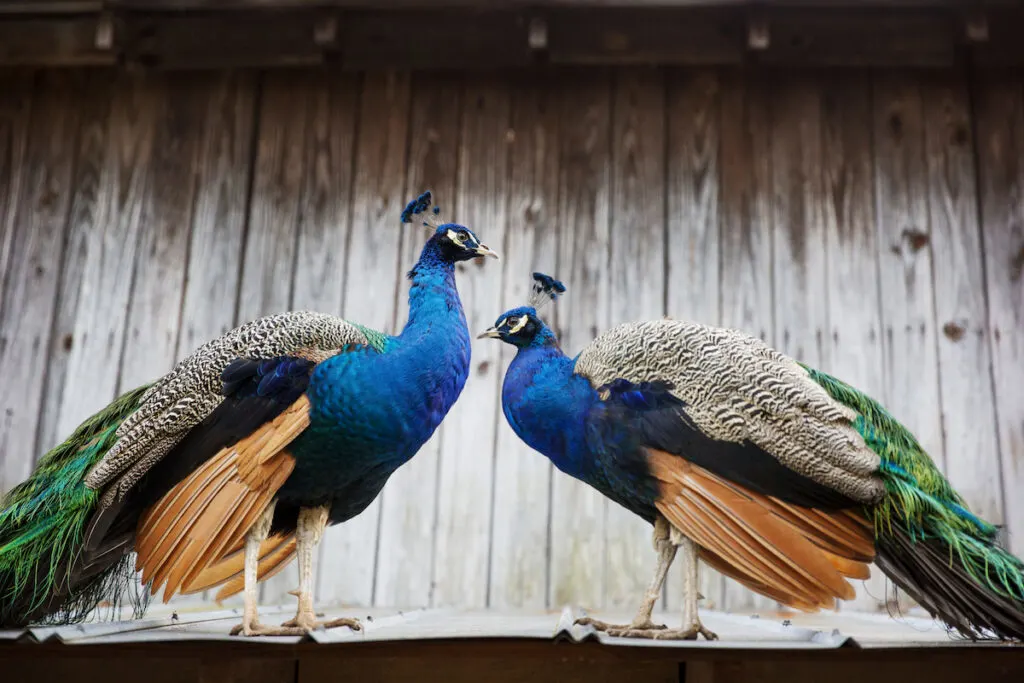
(780, 476)
(223, 470)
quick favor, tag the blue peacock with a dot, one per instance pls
(223, 470)
(784, 478)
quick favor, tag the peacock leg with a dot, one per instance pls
(310, 529)
(642, 626)
(691, 627)
(250, 625)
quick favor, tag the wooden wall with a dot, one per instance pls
(870, 223)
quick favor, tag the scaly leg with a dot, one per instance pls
(250, 625)
(691, 626)
(642, 626)
(307, 536)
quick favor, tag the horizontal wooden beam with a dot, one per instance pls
(500, 38)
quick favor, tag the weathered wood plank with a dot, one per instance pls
(466, 471)
(348, 552)
(39, 219)
(1000, 131)
(268, 265)
(745, 216)
(218, 221)
(324, 211)
(110, 249)
(522, 493)
(693, 289)
(91, 152)
(636, 284)
(852, 289)
(577, 511)
(15, 109)
(154, 313)
(965, 371)
(905, 260)
(409, 502)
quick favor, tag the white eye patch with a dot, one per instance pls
(454, 237)
(520, 324)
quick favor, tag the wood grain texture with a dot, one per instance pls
(154, 311)
(1000, 141)
(637, 281)
(466, 469)
(15, 110)
(90, 154)
(745, 216)
(522, 492)
(224, 169)
(110, 245)
(348, 551)
(965, 372)
(693, 276)
(577, 511)
(852, 289)
(405, 546)
(38, 220)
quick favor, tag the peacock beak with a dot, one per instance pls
(482, 250)
(489, 333)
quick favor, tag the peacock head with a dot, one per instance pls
(521, 326)
(454, 242)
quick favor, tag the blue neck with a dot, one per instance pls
(433, 296)
(546, 404)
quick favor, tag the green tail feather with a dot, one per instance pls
(42, 522)
(922, 520)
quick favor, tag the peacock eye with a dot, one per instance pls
(462, 235)
(512, 322)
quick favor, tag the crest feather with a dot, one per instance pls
(421, 205)
(545, 289)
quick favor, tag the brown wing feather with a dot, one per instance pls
(798, 556)
(208, 513)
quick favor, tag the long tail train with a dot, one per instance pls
(928, 542)
(42, 524)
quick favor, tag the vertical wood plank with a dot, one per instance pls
(577, 511)
(637, 284)
(466, 472)
(268, 266)
(405, 557)
(848, 219)
(746, 234)
(348, 552)
(218, 221)
(905, 260)
(154, 311)
(39, 219)
(94, 106)
(1000, 140)
(522, 504)
(965, 377)
(694, 114)
(15, 110)
(110, 245)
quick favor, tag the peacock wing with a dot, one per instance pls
(190, 392)
(748, 457)
(738, 390)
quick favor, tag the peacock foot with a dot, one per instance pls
(618, 629)
(306, 621)
(690, 633)
(255, 628)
